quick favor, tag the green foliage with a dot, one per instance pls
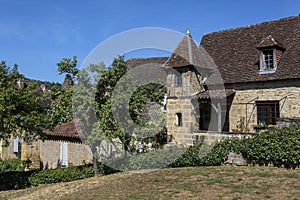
(219, 153)
(12, 165)
(15, 180)
(20, 110)
(279, 147)
(151, 160)
(91, 98)
(61, 110)
(61, 175)
(191, 157)
(21, 179)
(68, 66)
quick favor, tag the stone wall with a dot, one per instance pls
(181, 134)
(243, 105)
(210, 138)
(46, 154)
(179, 101)
(191, 83)
(77, 153)
(31, 151)
(7, 152)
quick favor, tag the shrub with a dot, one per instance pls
(278, 147)
(20, 180)
(15, 180)
(151, 160)
(191, 157)
(61, 175)
(219, 153)
(11, 165)
(67, 174)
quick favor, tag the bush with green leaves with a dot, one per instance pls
(11, 165)
(150, 160)
(15, 180)
(189, 158)
(277, 147)
(61, 175)
(22, 179)
(67, 174)
(219, 153)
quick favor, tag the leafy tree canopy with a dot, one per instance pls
(21, 112)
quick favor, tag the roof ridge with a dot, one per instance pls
(251, 25)
(143, 58)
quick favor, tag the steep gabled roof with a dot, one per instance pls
(188, 54)
(268, 42)
(236, 54)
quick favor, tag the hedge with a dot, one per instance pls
(277, 147)
(11, 165)
(20, 180)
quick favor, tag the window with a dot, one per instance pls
(268, 60)
(179, 119)
(63, 161)
(267, 112)
(17, 145)
(178, 79)
(164, 104)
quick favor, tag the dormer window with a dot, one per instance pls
(270, 54)
(268, 60)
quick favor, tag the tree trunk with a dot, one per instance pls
(95, 159)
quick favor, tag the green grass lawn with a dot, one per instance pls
(225, 182)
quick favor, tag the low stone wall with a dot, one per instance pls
(213, 137)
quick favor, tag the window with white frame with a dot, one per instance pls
(268, 60)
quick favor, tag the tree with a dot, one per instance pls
(60, 111)
(92, 103)
(66, 65)
(20, 111)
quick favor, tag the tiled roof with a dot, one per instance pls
(236, 54)
(66, 130)
(215, 94)
(134, 62)
(187, 53)
(268, 42)
(147, 69)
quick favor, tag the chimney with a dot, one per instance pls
(188, 32)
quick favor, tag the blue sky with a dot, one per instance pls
(37, 34)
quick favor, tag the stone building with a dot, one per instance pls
(62, 147)
(236, 80)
